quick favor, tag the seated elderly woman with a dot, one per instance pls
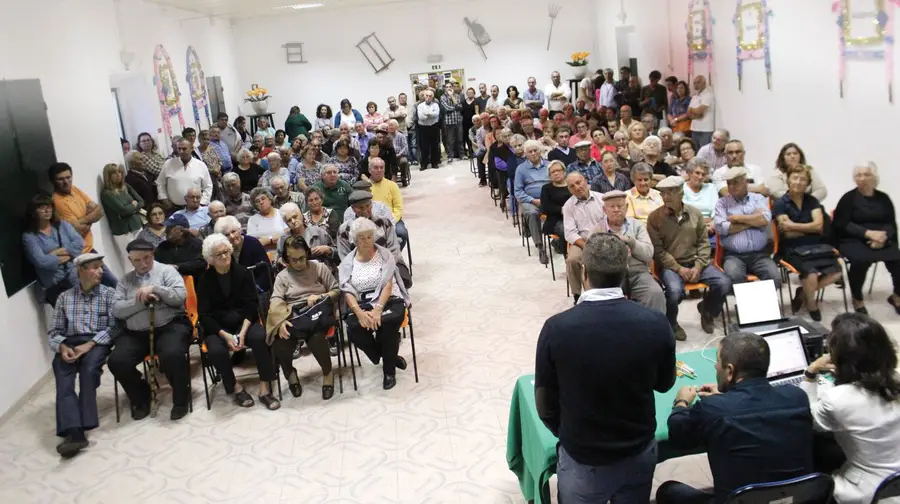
(266, 224)
(348, 166)
(309, 171)
(637, 132)
(276, 169)
(305, 283)
(790, 156)
(319, 215)
(227, 302)
(801, 222)
(320, 243)
(246, 249)
(651, 148)
(248, 171)
(642, 199)
(377, 299)
(865, 226)
(51, 245)
(698, 191)
(554, 195)
(623, 154)
(686, 152)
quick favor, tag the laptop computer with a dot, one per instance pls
(758, 308)
(787, 357)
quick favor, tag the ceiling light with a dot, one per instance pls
(300, 6)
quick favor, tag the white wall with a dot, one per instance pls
(410, 32)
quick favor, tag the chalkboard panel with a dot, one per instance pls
(26, 151)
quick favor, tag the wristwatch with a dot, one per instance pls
(811, 376)
(686, 404)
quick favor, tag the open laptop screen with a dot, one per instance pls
(786, 353)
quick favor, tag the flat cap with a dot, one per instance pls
(583, 143)
(359, 196)
(381, 127)
(670, 182)
(363, 185)
(86, 258)
(139, 244)
(613, 194)
(735, 172)
(177, 220)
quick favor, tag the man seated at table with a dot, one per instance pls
(581, 215)
(682, 254)
(80, 335)
(159, 284)
(387, 191)
(752, 432)
(605, 423)
(197, 216)
(385, 235)
(530, 179)
(640, 285)
(181, 249)
(742, 218)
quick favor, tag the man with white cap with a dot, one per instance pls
(581, 215)
(742, 218)
(682, 254)
(585, 164)
(80, 335)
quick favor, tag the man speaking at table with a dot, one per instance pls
(596, 368)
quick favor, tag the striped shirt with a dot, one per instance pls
(748, 240)
(80, 313)
(401, 145)
(580, 217)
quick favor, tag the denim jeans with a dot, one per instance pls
(701, 138)
(412, 140)
(719, 287)
(627, 481)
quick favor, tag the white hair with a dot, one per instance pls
(226, 225)
(214, 203)
(394, 122)
(620, 134)
(129, 158)
(258, 135)
(361, 225)
(186, 193)
(287, 208)
(211, 243)
(326, 166)
(272, 156)
(279, 177)
(651, 142)
(868, 165)
(532, 144)
(664, 131)
(243, 152)
(231, 177)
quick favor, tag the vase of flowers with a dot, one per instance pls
(258, 98)
(579, 64)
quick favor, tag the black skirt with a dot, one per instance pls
(856, 250)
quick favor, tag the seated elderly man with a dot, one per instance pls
(669, 148)
(385, 235)
(530, 179)
(379, 209)
(735, 154)
(80, 335)
(281, 194)
(275, 169)
(581, 215)
(682, 254)
(237, 203)
(639, 284)
(335, 191)
(585, 164)
(289, 161)
(714, 152)
(387, 191)
(651, 147)
(741, 220)
(217, 210)
(181, 249)
(320, 243)
(157, 288)
(196, 215)
(401, 150)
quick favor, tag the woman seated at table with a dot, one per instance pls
(51, 245)
(321, 245)
(155, 230)
(377, 298)
(865, 227)
(304, 283)
(790, 156)
(862, 408)
(801, 222)
(554, 195)
(246, 249)
(227, 302)
(318, 215)
(642, 199)
(266, 224)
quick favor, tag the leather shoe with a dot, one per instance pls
(401, 363)
(798, 300)
(71, 447)
(680, 335)
(178, 412)
(140, 411)
(327, 392)
(389, 382)
(706, 320)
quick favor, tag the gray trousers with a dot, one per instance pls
(643, 289)
(532, 217)
(737, 266)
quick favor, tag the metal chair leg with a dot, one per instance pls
(203, 372)
(412, 341)
(550, 253)
(116, 396)
(872, 282)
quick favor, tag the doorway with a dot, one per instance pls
(216, 96)
(435, 79)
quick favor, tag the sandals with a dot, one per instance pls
(295, 388)
(270, 402)
(243, 399)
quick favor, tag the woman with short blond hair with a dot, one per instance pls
(122, 207)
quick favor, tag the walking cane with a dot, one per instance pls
(154, 364)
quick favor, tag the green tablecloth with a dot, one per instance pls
(531, 447)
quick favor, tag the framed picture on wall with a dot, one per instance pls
(750, 23)
(698, 30)
(863, 23)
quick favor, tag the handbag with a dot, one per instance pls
(814, 252)
(312, 319)
(52, 293)
(391, 314)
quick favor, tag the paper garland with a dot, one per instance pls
(166, 83)
(699, 36)
(879, 47)
(758, 49)
(196, 80)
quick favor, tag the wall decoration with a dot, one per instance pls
(294, 52)
(166, 83)
(258, 98)
(752, 23)
(554, 11)
(579, 63)
(699, 36)
(196, 80)
(374, 52)
(866, 32)
(478, 35)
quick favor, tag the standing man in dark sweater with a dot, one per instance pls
(597, 367)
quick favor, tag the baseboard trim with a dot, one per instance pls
(27, 396)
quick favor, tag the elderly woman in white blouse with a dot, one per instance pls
(266, 224)
(376, 297)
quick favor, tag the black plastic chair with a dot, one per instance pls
(815, 488)
(888, 488)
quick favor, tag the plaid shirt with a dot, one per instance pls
(591, 170)
(401, 145)
(80, 314)
(452, 115)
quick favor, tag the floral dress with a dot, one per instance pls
(348, 169)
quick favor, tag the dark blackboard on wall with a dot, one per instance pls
(26, 152)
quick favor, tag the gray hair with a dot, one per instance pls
(620, 134)
(282, 149)
(868, 165)
(260, 191)
(258, 136)
(394, 122)
(329, 165)
(243, 152)
(230, 177)
(518, 137)
(664, 131)
(723, 131)
(289, 207)
(604, 254)
(361, 225)
(273, 156)
(226, 225)
(651, 142)
(641, 168)
(214, 203)
(212, 242)
(695, 163)
(532, 144)
(188, 192)
(281, 178)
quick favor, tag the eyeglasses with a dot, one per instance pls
(297, 259)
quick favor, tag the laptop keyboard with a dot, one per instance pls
(788, 381)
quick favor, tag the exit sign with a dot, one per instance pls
(435, 67)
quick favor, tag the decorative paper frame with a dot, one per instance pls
(879, 47)
(699, 47)
(196, 80)
(166, 83)
(758, 49)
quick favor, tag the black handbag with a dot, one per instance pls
(814, 252)
(312, 319)
(391, 314)
(52, 293)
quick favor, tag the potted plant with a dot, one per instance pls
(579, 63)
(258, 98)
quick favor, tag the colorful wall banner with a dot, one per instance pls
(752, 23)
(196, 80)
(866, 33)
(699, 36)
(167, 89)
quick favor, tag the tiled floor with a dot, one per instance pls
(479, 303)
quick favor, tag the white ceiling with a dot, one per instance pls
(253, 8)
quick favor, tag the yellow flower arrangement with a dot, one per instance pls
(579, 59)
(257, 94)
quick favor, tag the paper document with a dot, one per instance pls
(757, 302)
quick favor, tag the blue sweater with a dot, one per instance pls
(356, 114)
(38, 247)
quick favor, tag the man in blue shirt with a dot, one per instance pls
(197, 216)
(534, 98)
(741, 220)
(530, 178)
(215, 139)
(752, 432)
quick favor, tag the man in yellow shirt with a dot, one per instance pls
(77, 208)
(388, 192)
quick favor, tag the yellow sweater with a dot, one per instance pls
(387, 192)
